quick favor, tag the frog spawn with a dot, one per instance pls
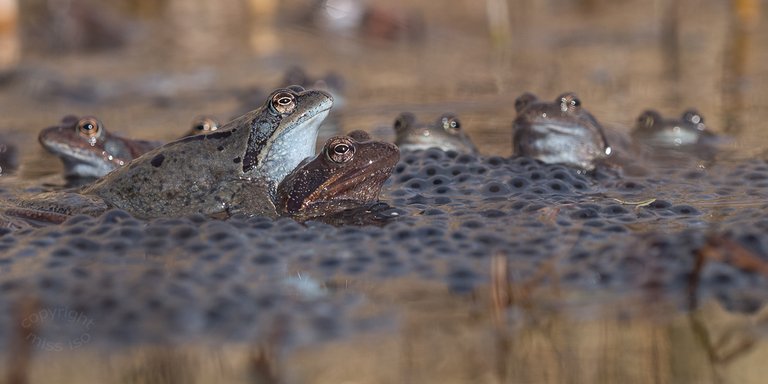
(167, 278)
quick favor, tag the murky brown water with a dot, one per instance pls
(184, 58)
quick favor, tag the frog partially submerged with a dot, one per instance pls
(445, 133)
(561, 132)
(89, 150)
(347, 175)
(687, 131)
(349, 172)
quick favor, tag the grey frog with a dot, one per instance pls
(561, 131)
(445, 133)
(688, 130)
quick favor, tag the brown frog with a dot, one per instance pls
(348, 172)
(87, 149)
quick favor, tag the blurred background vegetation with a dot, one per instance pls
(164, 61)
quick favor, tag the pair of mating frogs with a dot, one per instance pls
(254, 165)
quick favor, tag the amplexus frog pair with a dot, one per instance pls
(238, 169)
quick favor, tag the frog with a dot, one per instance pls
(559, 132)
(51, 207)
(87, 149)
(444, 133)
(349, 172)
(687, 131)
(235, 169)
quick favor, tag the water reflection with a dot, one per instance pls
(443, 338)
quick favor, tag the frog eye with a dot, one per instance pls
(204, 124)
(693, 116)
(89, 127)
(451, 124)
(569, 101)
(284, 102)
(341, 150)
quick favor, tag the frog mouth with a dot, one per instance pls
(81, 160)
(363, 184)
(552, 127)
(674, 138)
(425, 139)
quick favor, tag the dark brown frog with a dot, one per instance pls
(348, 172)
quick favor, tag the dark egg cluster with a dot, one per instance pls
(447, 217)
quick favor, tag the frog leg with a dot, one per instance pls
(36, 215)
